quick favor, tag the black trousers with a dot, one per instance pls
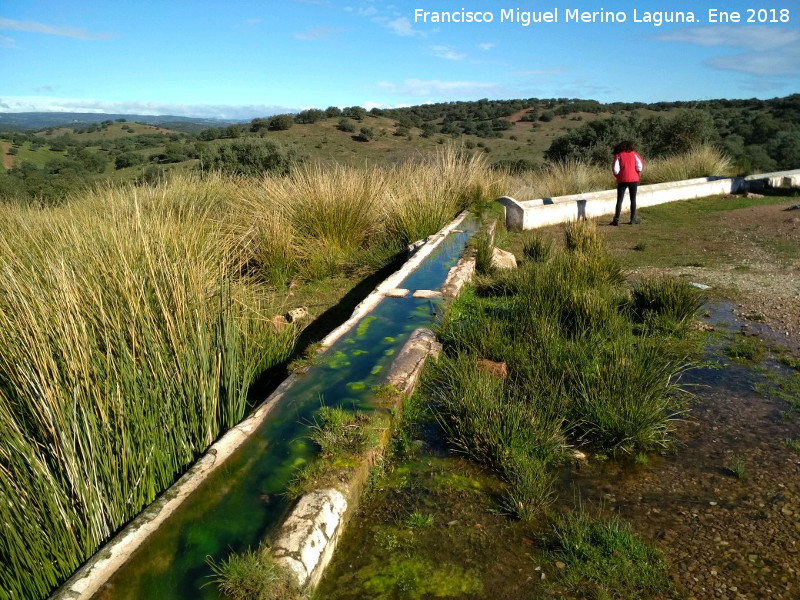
(621, 187)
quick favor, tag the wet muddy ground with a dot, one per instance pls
(722, 504)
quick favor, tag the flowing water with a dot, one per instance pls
(239, 503)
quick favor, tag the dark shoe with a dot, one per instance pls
(614, 223)
(635, 221)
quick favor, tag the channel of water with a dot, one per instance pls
(241, 501)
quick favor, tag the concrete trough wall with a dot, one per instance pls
(530, 214)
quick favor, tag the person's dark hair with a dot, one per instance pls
(625, 146)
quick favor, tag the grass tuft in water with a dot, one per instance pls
(253, 575)
(604, 559)
(737, 468)
(747, 349)
(339, 432)
(418, 520)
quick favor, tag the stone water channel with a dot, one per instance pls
(242, 500)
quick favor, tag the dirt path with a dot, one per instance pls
(8, 160)
(517, 116)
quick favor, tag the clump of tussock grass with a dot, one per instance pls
(582, 236)
(700, 161)
(482, 243)
(426, 194)
(665, 305)
(536, 248)
(561, 179)
(629, 399)
(253, 575)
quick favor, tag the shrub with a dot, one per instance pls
(346, 125)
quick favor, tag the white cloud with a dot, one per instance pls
(763, 64)
(447, 53)
(135, 107)
(486, 46)
(318, 33)
(402, 27)
(34, 27)
(770, 51)
(437, 88)
(754, 38)
(7, 42)
(540, 72)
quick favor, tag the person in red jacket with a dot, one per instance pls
(626, 168)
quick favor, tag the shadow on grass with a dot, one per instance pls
(316, 331)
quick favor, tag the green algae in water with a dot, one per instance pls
(389, 352)
(356, 385)
(416, 578)
(348, 341)
(456, 482)
(361, 330)
(338, 360)
(376, 369)
(389, 339)
(358, 352)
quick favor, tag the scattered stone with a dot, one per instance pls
(700, 286)
(498, 369)
(427, 294)
(297, 314)
(579, 456)
(753, 195)
(396, 293)
(413, 247)
(279, 323)
(502, 259)
(793, 207)
(560, 565)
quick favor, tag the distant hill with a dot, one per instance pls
(41, 120)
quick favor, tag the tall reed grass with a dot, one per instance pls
(700, 161)
(578, 177)
(127, 349)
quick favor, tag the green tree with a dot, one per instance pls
(281, 122)
(249, 156)
(311, 115)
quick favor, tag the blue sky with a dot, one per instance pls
(241, 59)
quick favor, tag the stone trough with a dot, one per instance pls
(530, 214)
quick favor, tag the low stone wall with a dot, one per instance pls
(530, 214)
